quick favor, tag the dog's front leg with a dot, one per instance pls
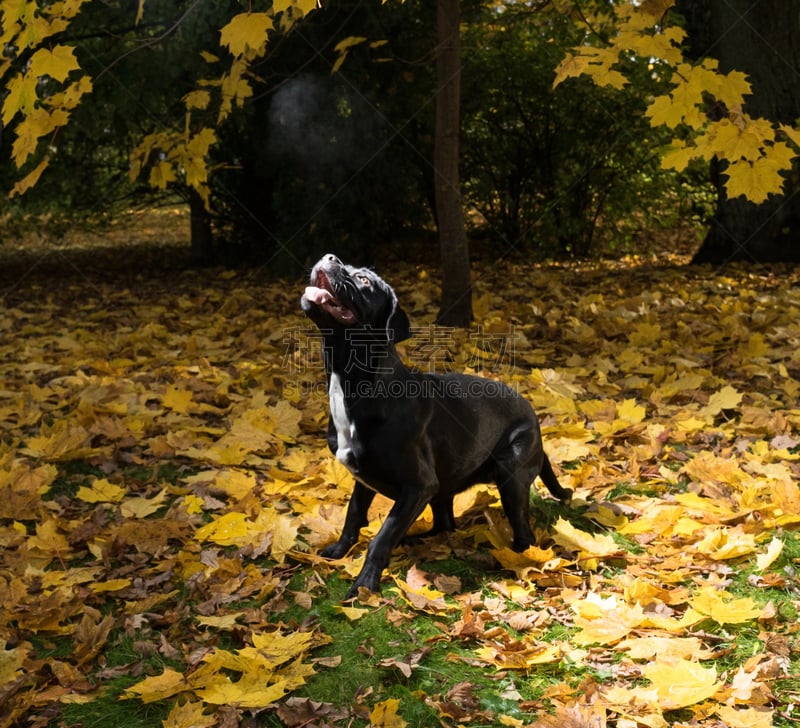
(355, 519)
(404, 512)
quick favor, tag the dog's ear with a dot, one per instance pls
(398, 326)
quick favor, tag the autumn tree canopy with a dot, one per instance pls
(201, 133)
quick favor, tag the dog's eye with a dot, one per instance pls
(364, 279)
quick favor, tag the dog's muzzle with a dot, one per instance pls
(321, 294)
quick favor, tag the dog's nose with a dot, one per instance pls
(331, 258)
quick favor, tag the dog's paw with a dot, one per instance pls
(335, 550)
(370, 584)
(521, 544)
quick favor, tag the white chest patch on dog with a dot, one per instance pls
(345, 430)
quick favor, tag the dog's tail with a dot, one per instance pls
(551, 481)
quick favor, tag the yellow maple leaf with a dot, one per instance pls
(756, 346)
(49, 540)
(275, 648)
(532, 564)
(246, 32)
(249, 691)
(306, 6)
(303, 7)
(225, 622)
(722, 608)
(585, 545)
(628, 414)
(631, 412)
(10, 663)
(189, 715)
(656, 646)
(283, 529)
(573, 64)
(687, 422)
(102, 491)
(520, 655)
(286, 420)
(775, 548)
(600, 66)
(680, 683)
(177, 398)
(70, 97)
(193, 158)
(111, 585)
(726, 543)
(235, 88)
(605, 620)
(140, 507)
(755, 179)
(662, 110)
(708, 467)
(352, 613)
(161, 174)
(745, 717)
(57, 63)
(645, 334)
(384, 715)
(157, 687)
(422, 596)
(732, 141)
(199, 99)
(30, 179)
(227, 530)
(38, 123)
(221, 453)
(193, 504)
(236, 484)
(726, 399)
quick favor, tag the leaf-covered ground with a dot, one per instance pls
(165, 485)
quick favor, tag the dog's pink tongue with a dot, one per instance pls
(318, 295)
(324, 298)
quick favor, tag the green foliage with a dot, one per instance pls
(548, 169)
(701, 105)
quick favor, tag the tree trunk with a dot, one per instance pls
(202, 244)
(762, 39)
(456, 303)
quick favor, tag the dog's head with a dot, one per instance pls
(342, 295)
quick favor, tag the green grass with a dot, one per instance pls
(110, 712)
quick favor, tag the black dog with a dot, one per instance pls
(415, 437)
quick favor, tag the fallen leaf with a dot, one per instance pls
(384, 715)
(681, 682)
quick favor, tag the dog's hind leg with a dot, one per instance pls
(443, 518)
(518, 458)
(354, 520)
(514, 488)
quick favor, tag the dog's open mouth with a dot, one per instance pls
(322, 296)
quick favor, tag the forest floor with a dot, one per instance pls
(165, 486)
